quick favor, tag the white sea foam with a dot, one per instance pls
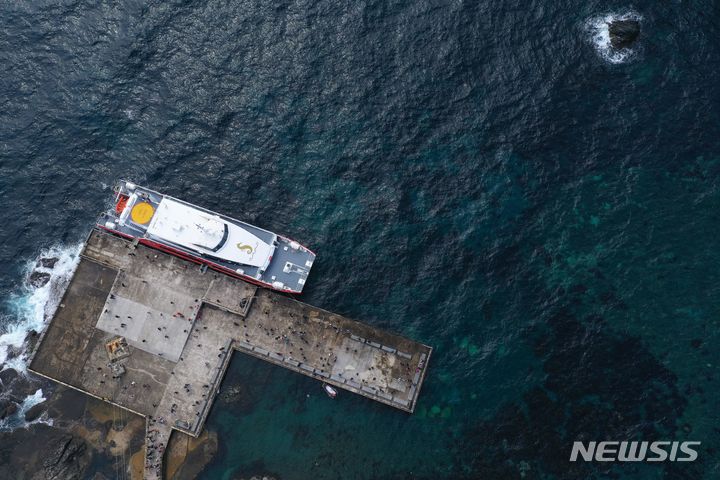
(599, 31)
(17, 419)
(31, 307)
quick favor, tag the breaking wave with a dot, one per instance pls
(17, 419)
(30, 308)
(599, 29)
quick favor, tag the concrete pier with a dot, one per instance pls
(153, 334)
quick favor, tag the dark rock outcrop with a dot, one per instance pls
(23, 386)
(13, 351)
(38, 279)
(63, 459)
(7, 408)
(31, 340)
(7, 376)
(47, 262)
(49, 452)
(623, 33)
(34, 412)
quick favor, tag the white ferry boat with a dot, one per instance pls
(222, 243)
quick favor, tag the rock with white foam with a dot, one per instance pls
(623, 33)
(23, 388)
(13, 351)
(620, 46)
(46, 262)
(39, 279)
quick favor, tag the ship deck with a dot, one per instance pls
(179, 326)
(293, 279)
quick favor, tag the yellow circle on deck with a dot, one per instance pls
(142, 213)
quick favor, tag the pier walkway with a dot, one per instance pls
(153, 333)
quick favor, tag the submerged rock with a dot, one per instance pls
(187, 457)
(39, 279)
(623, 33)
(256, 477)
(231, 394)
(47, 262)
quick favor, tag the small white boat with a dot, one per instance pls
(331, 392)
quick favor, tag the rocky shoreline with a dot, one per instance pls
(89, 439)
(64, 454)
(80, 436)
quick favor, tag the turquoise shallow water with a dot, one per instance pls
(475, 176)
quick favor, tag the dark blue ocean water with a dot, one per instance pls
(474, 175)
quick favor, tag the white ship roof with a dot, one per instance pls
(204, 232)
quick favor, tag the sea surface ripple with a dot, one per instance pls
(479, 176)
